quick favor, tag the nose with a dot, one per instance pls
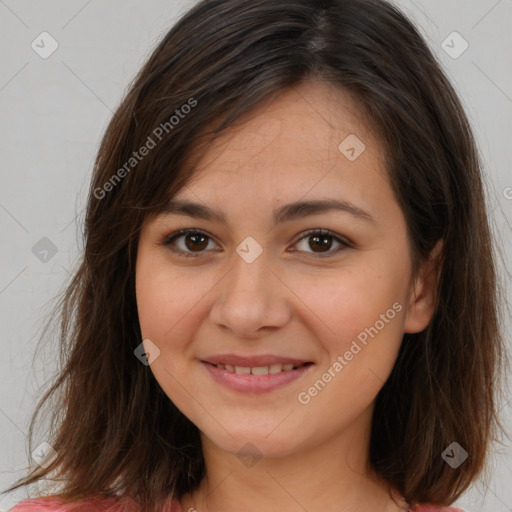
(251, 299)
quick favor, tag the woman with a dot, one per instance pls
(224, 354)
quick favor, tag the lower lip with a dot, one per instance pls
(255, 383)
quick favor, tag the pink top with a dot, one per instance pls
(51, 504)
(54, 504)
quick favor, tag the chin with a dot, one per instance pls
(254, 444)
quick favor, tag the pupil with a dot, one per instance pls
(195, 244)
(323, 246)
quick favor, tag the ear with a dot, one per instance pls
(422, 300)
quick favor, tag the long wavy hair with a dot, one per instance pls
(115, 432)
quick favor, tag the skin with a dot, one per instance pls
(288, 301)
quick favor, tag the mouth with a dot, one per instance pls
(256, 374)
(258, 370)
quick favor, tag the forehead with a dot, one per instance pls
(302, 125)
(303, 129)
(293, 147)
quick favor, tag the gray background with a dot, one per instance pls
(54, 111)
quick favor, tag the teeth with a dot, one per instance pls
(258, 370)
(275, 368)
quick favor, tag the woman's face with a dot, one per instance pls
(255, 291)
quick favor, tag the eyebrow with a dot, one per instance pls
(296, 210)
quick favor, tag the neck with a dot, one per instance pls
(335, 476)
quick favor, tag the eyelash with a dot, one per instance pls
(168, 240)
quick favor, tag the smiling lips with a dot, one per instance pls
(255, 373)
(255, 365)
(257, 370)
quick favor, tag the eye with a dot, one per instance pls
(193, 242)
(322, 239)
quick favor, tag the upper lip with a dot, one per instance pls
(253, 361)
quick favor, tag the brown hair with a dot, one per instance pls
(117, 432)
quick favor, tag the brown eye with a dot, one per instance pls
(188, 242)
(321, 241)
(195, 241)
(191, 242)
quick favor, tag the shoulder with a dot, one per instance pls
(45, 504)
(55, 504)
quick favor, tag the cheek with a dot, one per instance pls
(168, 303)
(151, 297)
(362, 315)
(350, 301)
(169, 300)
